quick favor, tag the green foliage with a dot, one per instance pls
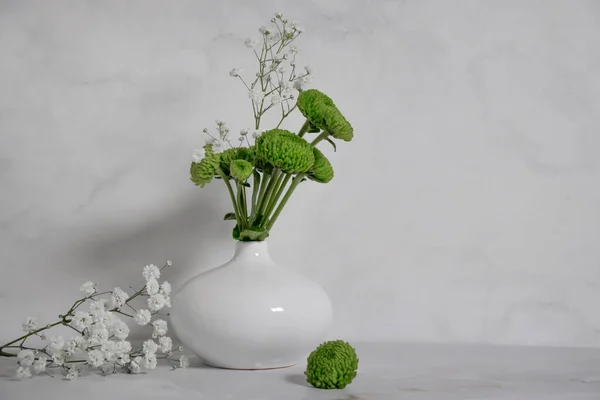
(322, 113)
(284, 150)
(201, 173)
(230, 216)
(252, 234)
(321, 171)
(332, 365)
(240, 170)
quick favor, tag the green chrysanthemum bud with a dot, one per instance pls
(241, 153)
(322, 113)
(240, 170)
(321, 171)
(332, 365)
(284, 150)
(202, 172)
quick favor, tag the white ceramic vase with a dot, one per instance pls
(251, 313)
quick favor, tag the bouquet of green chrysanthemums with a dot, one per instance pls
(261, 176)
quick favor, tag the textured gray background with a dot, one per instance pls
(466, 209)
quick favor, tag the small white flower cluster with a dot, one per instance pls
(102, 341)
(272, 84)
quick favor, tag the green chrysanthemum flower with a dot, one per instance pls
(240, 170)
(322, 113)
(282, 149)
(202, 172)
(332, 365)
(321, 171)
(312, 104)
(337, 125)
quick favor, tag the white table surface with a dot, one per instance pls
(386, 371)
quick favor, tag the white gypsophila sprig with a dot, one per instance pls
(30, 324)
(272, 87)
(101, 340)
(88, 288)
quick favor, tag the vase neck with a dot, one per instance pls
(257, 251)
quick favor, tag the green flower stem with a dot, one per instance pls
(242, 203)
(278, 194)
(261, 193)
(275, 196)
(322, 136)
(255, 186)
(236, 209)
(269, 192)
(285, 199)
(304, 128)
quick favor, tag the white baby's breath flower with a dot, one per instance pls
(88, 288)
(142, 317)
(275, 98)
(256, 134)
(264, 30)
(30, 324)
(120, 330)
(149, 347)
(244, 132)
(108, 348)
(122, 347)
(169, 263)
(56, 344)
(135, 365)
(97, 334)
(59, 357)
(165, 344)
(294, 50)
(151, 271)
(250, 43)
(235, 72)
(294, 25)
(97, 309)
(168, 302)
(39, 365)
(152, 286)
(150, 361)
(256, 95)
(82, 320)
(74, 344)
(281, 70)
(118, 297)
(95, 358)
(184, 362)
(72, 374)
(23, 372)
(198, 155)
(298, 84)
(124, 359)
(26, 358)
(160, 327)
(308, 69)
(165, 288)
(156, 302)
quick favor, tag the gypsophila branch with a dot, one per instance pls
(101, 335)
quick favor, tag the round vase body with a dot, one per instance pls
(251, 313)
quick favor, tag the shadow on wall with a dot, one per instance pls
(192, 235)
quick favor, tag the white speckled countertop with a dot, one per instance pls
(387, 371)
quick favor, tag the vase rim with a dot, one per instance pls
(253, 249)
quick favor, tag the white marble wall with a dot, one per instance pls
(467, 209)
